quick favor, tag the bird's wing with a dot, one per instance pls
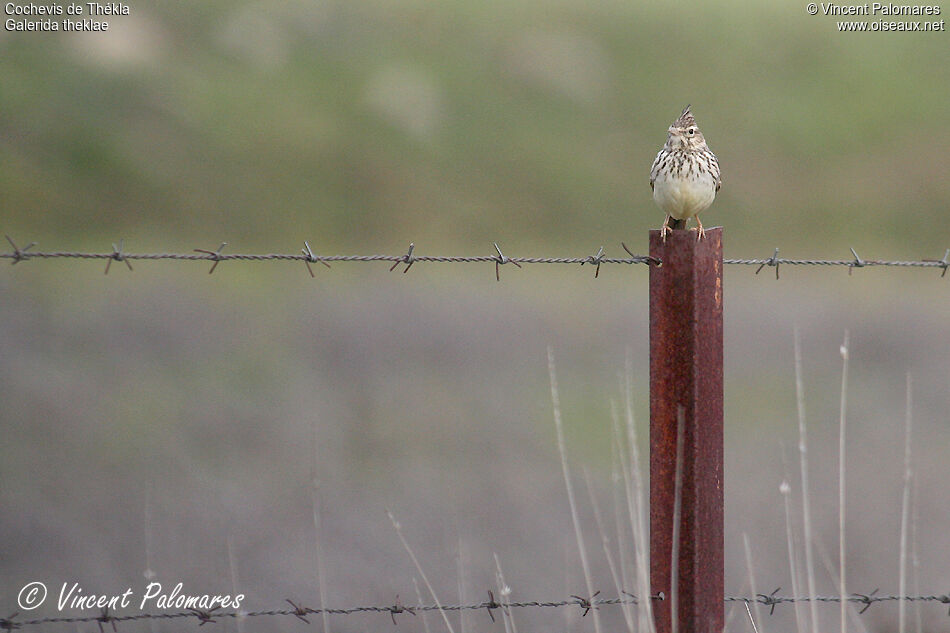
(717, 172)
(655, 168)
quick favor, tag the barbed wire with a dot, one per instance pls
(105, 616)
(308, 257)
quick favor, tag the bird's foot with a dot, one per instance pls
(700, 231)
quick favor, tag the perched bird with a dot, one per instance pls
(685, 175)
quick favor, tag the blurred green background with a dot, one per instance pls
(366, 124)
(168, 422)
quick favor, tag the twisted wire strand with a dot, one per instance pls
(921, 263)
(307, 256)
(771, 600)
(450, 259)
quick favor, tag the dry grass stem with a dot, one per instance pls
(842, 418)
(415, 561)
(562, 449)
(806, 496)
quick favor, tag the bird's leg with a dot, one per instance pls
(666, 227)
(701, 231)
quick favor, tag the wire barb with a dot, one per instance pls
(857, 263)
(942, 263)
(117, 256)
(491, 604)
(19, 254)
(586, 603)
(399, 607)
(660, 596)
(309, 257)
(299, 611)
(771, 261)
(106, 618)
(406, 259)
(866, 599)
(8, 623)
(770, 600)
(596, 260)
(646, 259)
(206, 617)
(501, 260)
(215, 255)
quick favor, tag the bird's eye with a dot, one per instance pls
(691, 131)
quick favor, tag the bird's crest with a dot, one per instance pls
(686, 119)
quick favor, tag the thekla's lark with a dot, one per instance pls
(685, 175)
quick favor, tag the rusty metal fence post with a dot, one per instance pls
(686, 376)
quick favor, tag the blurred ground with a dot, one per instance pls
(172, 422)
(156, 417)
